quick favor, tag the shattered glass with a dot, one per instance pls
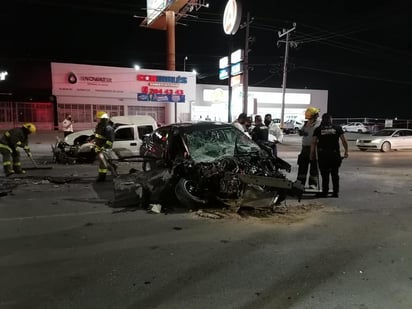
(209, 145)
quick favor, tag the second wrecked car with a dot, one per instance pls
(204, 163)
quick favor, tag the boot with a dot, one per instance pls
(101, 177)
(8, 170)
(19, 170)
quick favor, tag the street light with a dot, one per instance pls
(184, 63)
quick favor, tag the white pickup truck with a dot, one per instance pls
(129, 132)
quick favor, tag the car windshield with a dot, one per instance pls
(385, 132)
(211, 144)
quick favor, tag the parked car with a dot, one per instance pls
(357, 127)
(292, 126)
(78, 147)
(386, 140)
(204, 163)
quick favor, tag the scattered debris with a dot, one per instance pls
(155, 208)
(279, 214)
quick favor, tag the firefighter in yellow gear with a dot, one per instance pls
(104, 136)
(10, 141)
(305, 164)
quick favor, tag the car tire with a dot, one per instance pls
(186, 197)
(386, 147)
(360, 131)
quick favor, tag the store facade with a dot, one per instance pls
(168, 96)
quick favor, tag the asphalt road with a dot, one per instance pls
(63, 246)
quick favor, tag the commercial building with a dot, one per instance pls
(168, 96)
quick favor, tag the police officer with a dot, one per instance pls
(104, 136)
(305, 164)
(10, 142)
(260, 132)
(326, 143)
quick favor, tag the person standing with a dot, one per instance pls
(104, 137)
(67, 125)
(260, 132)
(275, 132)
(305, 164)
(242, 123)
(326, 144)
(10, 142)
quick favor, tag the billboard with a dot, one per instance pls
(155, 8)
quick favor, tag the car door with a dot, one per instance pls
(405, 139)
(125, 141)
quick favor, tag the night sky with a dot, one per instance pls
(360, 51)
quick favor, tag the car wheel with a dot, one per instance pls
(386, 146)
(187, 196)
(360, 131)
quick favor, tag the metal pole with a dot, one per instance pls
(246, 67)
(229, 107)
(171, 57)
(285, 69)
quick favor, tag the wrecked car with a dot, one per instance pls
(203, 164)
(78, 147)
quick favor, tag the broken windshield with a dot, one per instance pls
(209, 145)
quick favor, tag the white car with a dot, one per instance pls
(128, 137)
(357, 127)
(386, 140)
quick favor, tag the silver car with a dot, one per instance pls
(386, 140)
(357, 127)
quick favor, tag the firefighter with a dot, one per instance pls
(9, 143)
(104, 136)
(304, 161)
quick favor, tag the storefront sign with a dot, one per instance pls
(100, 81)
(232, 17)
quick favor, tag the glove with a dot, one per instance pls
(27, 151)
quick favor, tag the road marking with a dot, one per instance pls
(69, 214)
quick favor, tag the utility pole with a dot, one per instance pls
(246, 63)
(285, 69)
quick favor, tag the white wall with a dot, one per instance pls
(212, 100)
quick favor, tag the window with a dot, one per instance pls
(143, 130)
(124, 134)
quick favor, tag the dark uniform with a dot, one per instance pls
(260, 133)
(329, 156)
(104, 136)
(9, 143)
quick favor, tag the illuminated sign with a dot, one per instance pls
(232, 17)
(162, 79)
(235, 80)
(160, 88)
(236, 56)
(236, 69)
(155, 8)
(223, 62)
(224, 73)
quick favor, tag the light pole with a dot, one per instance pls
(285, 69)
(184, 63)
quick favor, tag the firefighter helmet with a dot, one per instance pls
(102, 115)
(30, 127)
(312, 112)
